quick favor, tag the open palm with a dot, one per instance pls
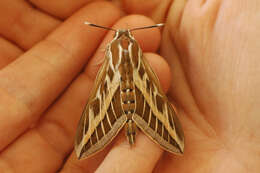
(213, 49)
(49, 62)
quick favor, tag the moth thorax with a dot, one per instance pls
(124, 42)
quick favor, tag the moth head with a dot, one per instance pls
(124, 37)
(123, 34)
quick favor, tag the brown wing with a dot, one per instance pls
(102, 117)
(154, 114)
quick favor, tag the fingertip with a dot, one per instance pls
(161, 69)
(142, 157)
(77, 37)
(140, 7)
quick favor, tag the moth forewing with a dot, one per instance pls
(95, 119)
(168, 133)
(127, 91)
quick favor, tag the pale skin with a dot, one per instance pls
(209, 64)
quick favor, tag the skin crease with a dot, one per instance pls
(211, 46)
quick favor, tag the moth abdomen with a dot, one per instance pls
(130, 129)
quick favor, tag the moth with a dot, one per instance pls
(127, 94)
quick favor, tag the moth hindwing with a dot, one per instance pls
(127, 93)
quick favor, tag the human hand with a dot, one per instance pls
(44, 147)
(213, 51)
(44, 90)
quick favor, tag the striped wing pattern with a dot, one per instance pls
(126, 90)
(102, 118)
(154, 115)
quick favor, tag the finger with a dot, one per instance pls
(175, 16)
(48, 144)
(156, 9)
(61, 9)
(161, 68)
(86, 165)
(46, 70)
(140, 7)
(8, 52)
(142, 157)
(143, 37)
(23, 24)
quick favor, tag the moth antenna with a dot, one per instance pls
(147, 27)
(98, 26)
